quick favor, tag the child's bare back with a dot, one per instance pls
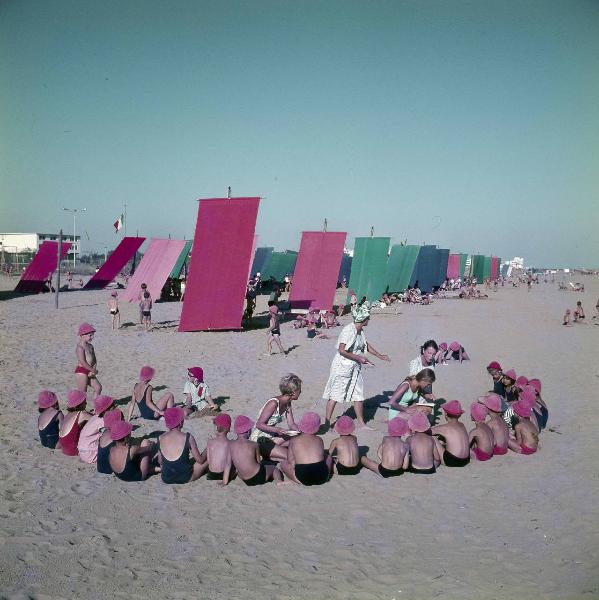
(393, 452)
(346, 448)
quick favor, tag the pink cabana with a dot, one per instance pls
(494, 267)
(42, 266)
(116, 261)
(154, 268)
(453, 266)
(218, 272)
(316, 270)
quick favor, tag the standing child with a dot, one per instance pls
(86, 370)
(50, 419)
(344, 449)
(423, 457)
(145, 306)
(481, 437)
(113, 307)
(578, 312)
(273, 333)
(526, 438)
(218, 452)
(140, 297)
(452, 438)
(500, 430)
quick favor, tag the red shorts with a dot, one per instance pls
(82, 370)
(480, 455)
(497, 451)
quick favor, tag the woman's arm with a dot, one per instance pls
(149, 402)
(377, 354)
(401, 389)
(267, 412)
(355, 357)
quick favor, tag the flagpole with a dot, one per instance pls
(125, 223)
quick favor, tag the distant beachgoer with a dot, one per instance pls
(500, 430)
(86, 370)
(481, 437)
(526, 437)
(245, 456)
(273, 333)
(452, 439)
(105, 443)
(197, 393)
(142, 398)
(130, 462)
(73, 422)
(306, 462)
(273, 440)
(145, 306)
(113, 308)
(87, 446)
(217, 454)
(178, 455)
(140, 297)
(392, 452)
(578, 312)
(567, 318)
(49, 420)
(456, 352)
(423, 456)
(346, 382)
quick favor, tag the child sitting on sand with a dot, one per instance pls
(392, 452)
(86, 370)
(130, 462)
(113, 308)
(245, 456)
(481, 437)
(50, 419)
(526, 438)
(145, 307)
(409, 391)
(456, 352)
(73, 422)
(273, 333)
(90, 434)
(509, 385)
(423, 456)
(178, 454)
(496, 423)
(197, 393)
(142, 398)
(306, 462)
(344, 449)
(452, 437)
(218, 452)
(105, 443)
(494, 370)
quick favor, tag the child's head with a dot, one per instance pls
(291, 385)
(102, 404)
(344, 425)
(579, 303)
(222, 423)
(146, 374)
(397, 427)
(478, 412)
(494, 368)
(522, 409)
(510, 377)
(174, 417)
(85, 329)
(111, 417)
(419, 423)
(242, 426)
(121, 431)
(309, 423)
(76, 400)
(196, 374)
(146, 295)
(47, 399)
(425, 378)
(452, 409)
(493, 402)
(429, 349)
(454, 346)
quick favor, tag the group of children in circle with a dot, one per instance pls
(509, 417)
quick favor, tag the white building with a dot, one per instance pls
(30, 242)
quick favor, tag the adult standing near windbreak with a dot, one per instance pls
(346, 382)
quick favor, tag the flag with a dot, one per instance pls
(118, 224)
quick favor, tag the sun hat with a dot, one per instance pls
(85, 328)
(222, 420)
(196, 372)
(535, 384)
(309, 423)
(111, 417)
(242, 424)
(173, 417)
(443, 346)
(522, 409)
(493, 402)
(478, 411)
(494, 365)
(146, 373)
(120, 430)
(397, 426)
(521, 382)
(419, 423)
(454, 346)
(75, 398)
(453, 408)
(344, 425)
(102, 404)
(46, 399)
(511, 374)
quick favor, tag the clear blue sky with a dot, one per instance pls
(473, 125)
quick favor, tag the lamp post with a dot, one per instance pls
(74, 211)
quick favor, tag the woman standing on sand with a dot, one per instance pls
(346, 383)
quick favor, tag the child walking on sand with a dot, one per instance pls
(145, 306)
(273, 333)
(113, 308)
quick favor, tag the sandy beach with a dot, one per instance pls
(516, 526)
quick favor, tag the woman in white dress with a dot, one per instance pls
(346, 383)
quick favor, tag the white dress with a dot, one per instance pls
(346, 383)
(416, 366)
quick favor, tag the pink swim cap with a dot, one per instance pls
(222, 420)
(46, 399)
(536, 384)
(102, 403)
(521, 382)
(494, 365)
(146, 373)
(242, 424)
(528, 395)
(454, 346)
(419, 423)
(443, 346)
(173, 417)
(511, 374)
(493, 402)
(111, 417)
(85, 328)
(343, 426)
(397, 426)
(522, 409)
(309, 423)
(75, 398)
(120, 430)
(196, 372)
(453, 408)
(478, 412)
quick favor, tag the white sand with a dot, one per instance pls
(525, 526)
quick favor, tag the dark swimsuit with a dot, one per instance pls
(451, 460)
(418, 471)
(49, 434)
(212, 476)
(144, 410)
(103, 459)
(276, 331)
(179, 470)
(386, 473)
(311, 333)
(132, 470)
(343, 470)
(146, 313)
(312, 473)
(258, 479)
(114, 312)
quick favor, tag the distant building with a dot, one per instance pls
(30, 242)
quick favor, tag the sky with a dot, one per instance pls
(473, 125)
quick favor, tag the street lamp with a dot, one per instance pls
(74, 211)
